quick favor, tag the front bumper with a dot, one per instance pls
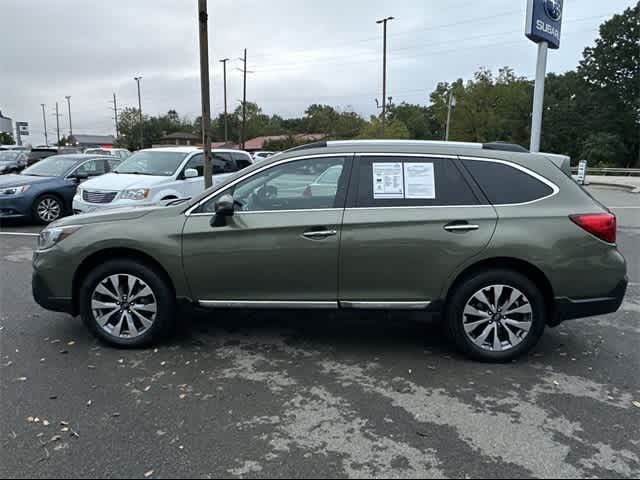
(569, 309)
(45, 298)
(15, 206)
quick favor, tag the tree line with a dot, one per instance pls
(591, 113)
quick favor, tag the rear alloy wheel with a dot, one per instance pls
(496, 316)
(48, 209)
(127, 303)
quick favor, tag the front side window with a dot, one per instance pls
(196, 163)
(155, 162)
(291, 186)
(506, 185)
(411, 182)
(242, 161)
(93, 168)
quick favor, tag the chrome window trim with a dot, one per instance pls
(268, 304)
(189, 212)
(272, 211)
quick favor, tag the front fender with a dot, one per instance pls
(171, 193)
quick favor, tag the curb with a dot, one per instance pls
(631, 188)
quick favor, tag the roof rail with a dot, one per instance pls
(499, 146)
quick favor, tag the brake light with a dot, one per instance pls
(602, 225)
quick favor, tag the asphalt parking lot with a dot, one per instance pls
(301, 394)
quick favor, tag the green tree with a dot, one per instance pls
(6, 138)
(612, 70)
(393, 129)
(602, 149)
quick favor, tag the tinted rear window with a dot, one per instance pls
(506, 185)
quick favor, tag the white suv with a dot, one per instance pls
(156, 177)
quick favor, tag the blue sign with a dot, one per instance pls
(544, 21)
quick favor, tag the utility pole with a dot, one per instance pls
(226, 120)
(452, 103)
(384, 70)
(203, 19)
(115, 109)
(243, 133)
(44, 119)
(70, 124)
(137, 79)
(58, 115)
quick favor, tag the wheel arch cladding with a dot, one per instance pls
(523, 267)
(101, 256)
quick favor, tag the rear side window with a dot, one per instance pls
(223, 163)
(506, 185)
(411, 182)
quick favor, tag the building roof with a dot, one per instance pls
(95, 139)
(258, 142)
(181, 136)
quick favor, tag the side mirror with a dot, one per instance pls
(79, 177)
(225, 207)
(191, 173)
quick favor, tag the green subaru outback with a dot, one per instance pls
(495, 242)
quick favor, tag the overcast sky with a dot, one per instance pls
(301, 52)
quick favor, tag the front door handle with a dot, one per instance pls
(319, 234)
(461, 227)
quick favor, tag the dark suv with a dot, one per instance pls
(499, 244)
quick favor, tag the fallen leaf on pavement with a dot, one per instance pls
(21, 379)
(636, 404)
(71, 343)
(148, 474)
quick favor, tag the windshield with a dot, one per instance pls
(8, 156)
(56, 166)
(157, 163)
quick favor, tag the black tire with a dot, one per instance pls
(155, 280)
(463, 293)
(47, 199)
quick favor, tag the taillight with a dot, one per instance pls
(602, 225)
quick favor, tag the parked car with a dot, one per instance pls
(496, 244)
(259, 156)
(37, 154)
(43, 192)
(121, 153)
(12, 161)
(156, 177)
(12, 147)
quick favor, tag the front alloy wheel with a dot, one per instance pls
(124, 306)
(48, 209)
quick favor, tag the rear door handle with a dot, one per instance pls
(461, 227)
(319, 234)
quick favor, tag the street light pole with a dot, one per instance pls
(70, 124)
(58, 123)
(244, 104)
(44, 119)
(226, 129)
(137, 79)
(203, 19)
(384, 69)
(452, 103)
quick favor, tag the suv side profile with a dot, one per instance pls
(497, 244)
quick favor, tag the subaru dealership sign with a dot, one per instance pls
(544, 21)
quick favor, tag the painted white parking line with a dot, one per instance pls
(20, 234)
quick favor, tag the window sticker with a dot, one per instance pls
(387, 181)
(419, 181)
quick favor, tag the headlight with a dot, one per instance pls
(136, 194)
(50, 237)
(14, 190)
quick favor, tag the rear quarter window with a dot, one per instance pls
(506, 185)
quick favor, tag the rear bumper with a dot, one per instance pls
(43, 296)
(569, 308)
